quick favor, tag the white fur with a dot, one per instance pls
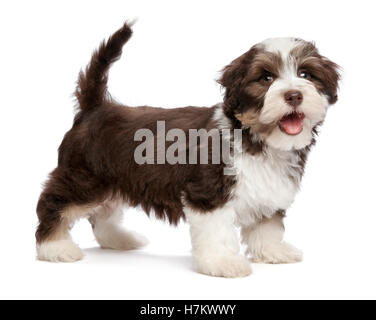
(106, 221)
(314, 105)
(266, 182)
(215, 244)
(279, 45)
(108, 231)
(59, 251)
(221, 120)
(264, 242)
(60, 247)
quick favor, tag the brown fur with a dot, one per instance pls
(96, 156)
(244, 91)
(324, 72)
(244, 96)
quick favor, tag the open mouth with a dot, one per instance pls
(292, 123)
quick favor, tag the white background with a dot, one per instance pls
(172, 60)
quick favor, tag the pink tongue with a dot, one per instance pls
(292, 124)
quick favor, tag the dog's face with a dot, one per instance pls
(281, 89)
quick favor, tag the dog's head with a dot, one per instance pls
(281, 90)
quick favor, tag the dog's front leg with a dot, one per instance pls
(264, 241)
(215, 244)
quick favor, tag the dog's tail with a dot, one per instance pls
(91, 90)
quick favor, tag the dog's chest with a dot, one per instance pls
(265, 183)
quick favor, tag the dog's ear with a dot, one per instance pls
(233, 80)
(326, 74)
(331, 77)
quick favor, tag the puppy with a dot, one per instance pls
(276, 96)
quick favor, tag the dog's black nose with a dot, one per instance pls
(293, 98)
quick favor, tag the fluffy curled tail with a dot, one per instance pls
(91, 88)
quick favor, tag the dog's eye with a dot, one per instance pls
(304, 75)
(266, 78)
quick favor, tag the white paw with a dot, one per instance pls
(59, 251)
(227, 265)
(119, 239)
(280, 252)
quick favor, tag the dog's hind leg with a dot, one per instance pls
(106, 222)
(67, 197)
